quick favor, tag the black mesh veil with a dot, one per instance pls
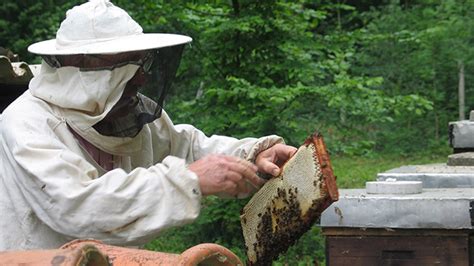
(160, 75)
(164, 68)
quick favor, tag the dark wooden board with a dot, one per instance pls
(398, 250)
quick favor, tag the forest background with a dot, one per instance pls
(378, 78)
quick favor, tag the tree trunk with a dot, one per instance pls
(461, 91)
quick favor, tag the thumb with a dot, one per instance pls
(269, 167)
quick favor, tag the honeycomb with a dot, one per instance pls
(289, 204)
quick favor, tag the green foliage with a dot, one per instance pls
(417, 50)
(25, 22)
(354, 171)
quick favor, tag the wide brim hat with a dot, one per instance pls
(99, 27)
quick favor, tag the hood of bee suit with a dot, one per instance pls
(84, 98)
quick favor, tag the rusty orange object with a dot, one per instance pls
(202, 254)
(95, 253)
(85, 255)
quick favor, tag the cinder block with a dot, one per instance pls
(461, 134)
(461, 159)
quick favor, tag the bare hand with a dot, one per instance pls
(228, 174)
(272, 159)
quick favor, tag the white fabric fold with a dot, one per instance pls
(85, 98)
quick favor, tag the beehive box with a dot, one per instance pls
(435, 227)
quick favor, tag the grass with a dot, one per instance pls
(353, 172)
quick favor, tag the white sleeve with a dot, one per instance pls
(190, 143)
(186, 141)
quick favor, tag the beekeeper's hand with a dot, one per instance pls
(225, 174)
(272, 159)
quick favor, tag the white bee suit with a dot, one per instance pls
(52, 191)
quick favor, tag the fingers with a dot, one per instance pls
(230, 187)
(241, 166)
(233, 175)
(248, 171)
(271, 160)
(267, 166)
(284, 152)
(221, 173)
(237, 175)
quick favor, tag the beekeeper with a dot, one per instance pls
(85, 155)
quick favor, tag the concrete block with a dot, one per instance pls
(461, 134)
(461, 159)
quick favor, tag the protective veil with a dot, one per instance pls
(52, 191)
(159, 68)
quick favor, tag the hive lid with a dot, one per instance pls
(433, 175)
(440, 208)
(287, 205)
(392, 186)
